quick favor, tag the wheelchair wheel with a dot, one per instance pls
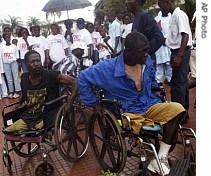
(71, 133)
(141, 173)
(7, 161)
(190, 155)
(44, 168)
(107, 143)
(25, 149)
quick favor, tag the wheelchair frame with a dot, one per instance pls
(70, 130)
(109, 132)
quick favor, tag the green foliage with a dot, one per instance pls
(108, 173)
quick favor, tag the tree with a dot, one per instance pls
(53, 14)
(32, 21)
(13, 22)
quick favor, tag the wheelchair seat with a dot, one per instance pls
(156, 127)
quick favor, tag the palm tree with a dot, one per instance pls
(54, 14)
(32, 21)
(13, 22)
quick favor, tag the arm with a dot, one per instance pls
(152, 32)
(72, 82)
(176, 62)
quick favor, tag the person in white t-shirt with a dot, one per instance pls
(3, 86)
(114, 32)
(96, 37)
(103, 45)
(57, 48)
(163, 54)
(25, 43)
(82, 35)
(9, 56)
(40, 44)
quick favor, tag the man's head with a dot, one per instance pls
(133, 5)
(80, 23)
(37, 31)
(7, 38)
(33, 61)
(136, 48)
(111, 16)
(166, 6)
(68, 24)
(78, 48)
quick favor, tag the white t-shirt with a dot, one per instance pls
(9, 53)
(56, 44)
(114, 31)
(163, 54)
(127, 30)
(22, 46)
(103, 51)
(95, 38)
(40, 45)
(82, 35)
(179, 23)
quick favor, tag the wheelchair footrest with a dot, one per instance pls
(179, 168)
(25, 139)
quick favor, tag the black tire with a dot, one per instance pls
(107, 143)
(44, 168)
(190, 155)
(25, 149)
(71, 133)
(141, 173)
(7, 162)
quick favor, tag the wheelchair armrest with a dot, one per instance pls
(12, 104)
(55, 100)
(160, 91)
(113, 101)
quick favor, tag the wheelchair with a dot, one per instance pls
(69, 127)
(112, 141)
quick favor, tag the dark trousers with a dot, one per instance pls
(179, 80)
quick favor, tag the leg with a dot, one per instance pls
(19, 125)
(169, 115)
(159, 73)
(8, 74)
(14, 67)
(179, 81)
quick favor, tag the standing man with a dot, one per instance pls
(145, 23)
(179, 39)
(114, 32)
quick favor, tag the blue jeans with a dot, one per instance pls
(11, 73)
(179, 80)
(23, 66)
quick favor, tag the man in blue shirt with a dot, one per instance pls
(129, 78)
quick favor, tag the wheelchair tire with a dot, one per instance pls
(71, 133)
(7, 162)
(25, 149)
(44, 168)
(190, 155)
(141, 173)
(107, 142)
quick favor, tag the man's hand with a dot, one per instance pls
(176, 61)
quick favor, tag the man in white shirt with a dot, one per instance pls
(114, 32)
(40, 43)
(179, 40)
(83, 35)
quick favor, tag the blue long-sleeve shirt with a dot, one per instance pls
(110, 75)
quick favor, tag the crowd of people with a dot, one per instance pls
(126, 58)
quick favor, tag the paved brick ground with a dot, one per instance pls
(86, 166)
